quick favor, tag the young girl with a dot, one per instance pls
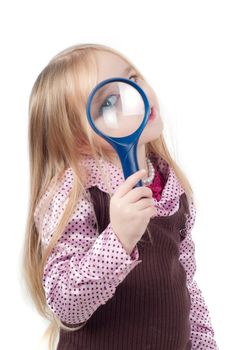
(110, 265)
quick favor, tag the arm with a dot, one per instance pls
(84, 268)
(202, 333)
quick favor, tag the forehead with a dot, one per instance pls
(110, 65)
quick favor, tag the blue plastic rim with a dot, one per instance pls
(126, 147)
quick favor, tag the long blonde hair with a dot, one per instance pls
(59, 136)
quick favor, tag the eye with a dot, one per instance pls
(134, 76)
(109, 102)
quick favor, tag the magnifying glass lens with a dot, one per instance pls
(117, 109)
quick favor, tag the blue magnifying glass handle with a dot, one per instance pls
(126, 147)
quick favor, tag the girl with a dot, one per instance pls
(111, 266)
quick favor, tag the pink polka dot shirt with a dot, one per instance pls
(76, 279)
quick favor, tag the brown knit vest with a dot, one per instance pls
(151, 306)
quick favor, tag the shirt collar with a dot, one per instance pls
(172, 188)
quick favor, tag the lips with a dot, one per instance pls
(152, 114)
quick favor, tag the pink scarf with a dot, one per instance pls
(157, 185)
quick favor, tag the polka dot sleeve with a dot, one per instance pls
(84, 268)
(202, 333)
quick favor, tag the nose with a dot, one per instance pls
(153, 102)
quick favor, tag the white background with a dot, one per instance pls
(184, 49)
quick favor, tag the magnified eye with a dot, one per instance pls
(108, 103)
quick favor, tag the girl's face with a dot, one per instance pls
(110, 66)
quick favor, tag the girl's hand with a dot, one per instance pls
(131, 210)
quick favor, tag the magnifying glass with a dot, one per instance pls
(118, 110)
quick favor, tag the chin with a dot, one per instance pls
(151, 132)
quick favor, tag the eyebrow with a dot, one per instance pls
(127, 70)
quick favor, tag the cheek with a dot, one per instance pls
(155, 124)
(152, 130)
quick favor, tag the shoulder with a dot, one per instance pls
(52, 204)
